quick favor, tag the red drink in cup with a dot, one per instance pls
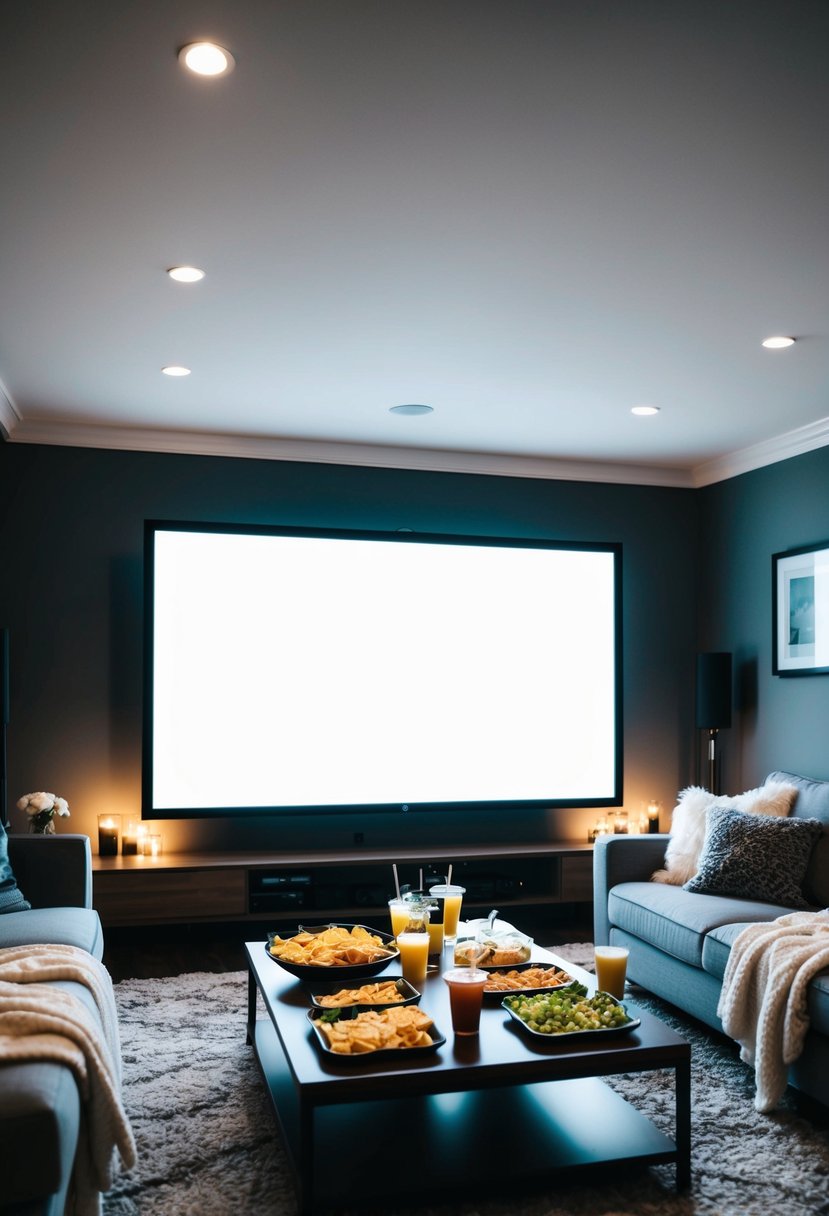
(466, 995)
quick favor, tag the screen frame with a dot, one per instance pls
(152, 526)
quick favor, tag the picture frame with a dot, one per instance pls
(800, 611)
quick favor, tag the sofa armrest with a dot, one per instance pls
(622, 859)
(53, 871)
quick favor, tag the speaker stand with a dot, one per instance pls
(713, 779)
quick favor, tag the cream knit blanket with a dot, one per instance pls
(763, 1003)
(42, 1022)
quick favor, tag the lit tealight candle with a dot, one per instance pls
(653, 816)
(155, 846)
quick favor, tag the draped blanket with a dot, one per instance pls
(41, 1022)
(763, 1003)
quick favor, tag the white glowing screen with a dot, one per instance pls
(301, 671)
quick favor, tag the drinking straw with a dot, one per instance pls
(396, 879)
(449, 876)
(420, 884)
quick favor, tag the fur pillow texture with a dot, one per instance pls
(752, 857)
(688, 823)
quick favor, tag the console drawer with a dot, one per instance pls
(162, 895)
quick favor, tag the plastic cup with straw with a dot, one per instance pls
(398, 907)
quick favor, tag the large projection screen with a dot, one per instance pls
(296, 670)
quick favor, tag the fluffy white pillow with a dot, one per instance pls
(688, 823)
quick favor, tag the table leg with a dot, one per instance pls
(683, 1125)
(305, 1163)
(251, 1008)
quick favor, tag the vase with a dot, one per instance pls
(38, 826)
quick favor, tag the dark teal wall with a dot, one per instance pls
(71, 525)
(780, 723)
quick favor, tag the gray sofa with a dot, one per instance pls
(679, 941)
(39, 1102)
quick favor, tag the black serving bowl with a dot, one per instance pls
(339, 971)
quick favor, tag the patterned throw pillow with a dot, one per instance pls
(11, 899)
(688, 823)
(754, 857)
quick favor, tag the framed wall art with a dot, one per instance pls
(800, 611)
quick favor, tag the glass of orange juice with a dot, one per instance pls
(611, 968)
(435, 909)
(413, 945)
(413, 942)
(399, 913)
(452, 897)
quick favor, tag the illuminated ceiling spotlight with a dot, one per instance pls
(777, 343)
(174, 369)
(206, 59)
(644, 411)
(186, 274)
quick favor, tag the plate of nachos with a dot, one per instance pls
(354, 1034)
(376, 994)
(319, 951)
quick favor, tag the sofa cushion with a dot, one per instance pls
(717, 947)
(812, 803)
(754, 857)
(11, 898)
(54, 926)
(715, 952)
(675, 920)
(688, 823)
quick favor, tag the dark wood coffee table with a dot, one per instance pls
(480, 1112)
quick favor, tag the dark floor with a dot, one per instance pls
(163, 950)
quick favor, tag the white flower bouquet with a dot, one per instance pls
(42, 809)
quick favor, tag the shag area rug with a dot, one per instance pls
(208, 1144)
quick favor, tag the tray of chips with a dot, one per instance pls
(314, 952)
(524, 978)
(363, 1034)
(379, 994)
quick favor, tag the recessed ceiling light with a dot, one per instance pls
(410, 409)
(175, 370)
(185, 274)
(206, 59)
(644, 411)
(777, 343)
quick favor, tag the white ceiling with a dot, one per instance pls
(530, 215)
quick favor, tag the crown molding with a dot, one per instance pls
(770, 451)
(197, 443)
(491, 464)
